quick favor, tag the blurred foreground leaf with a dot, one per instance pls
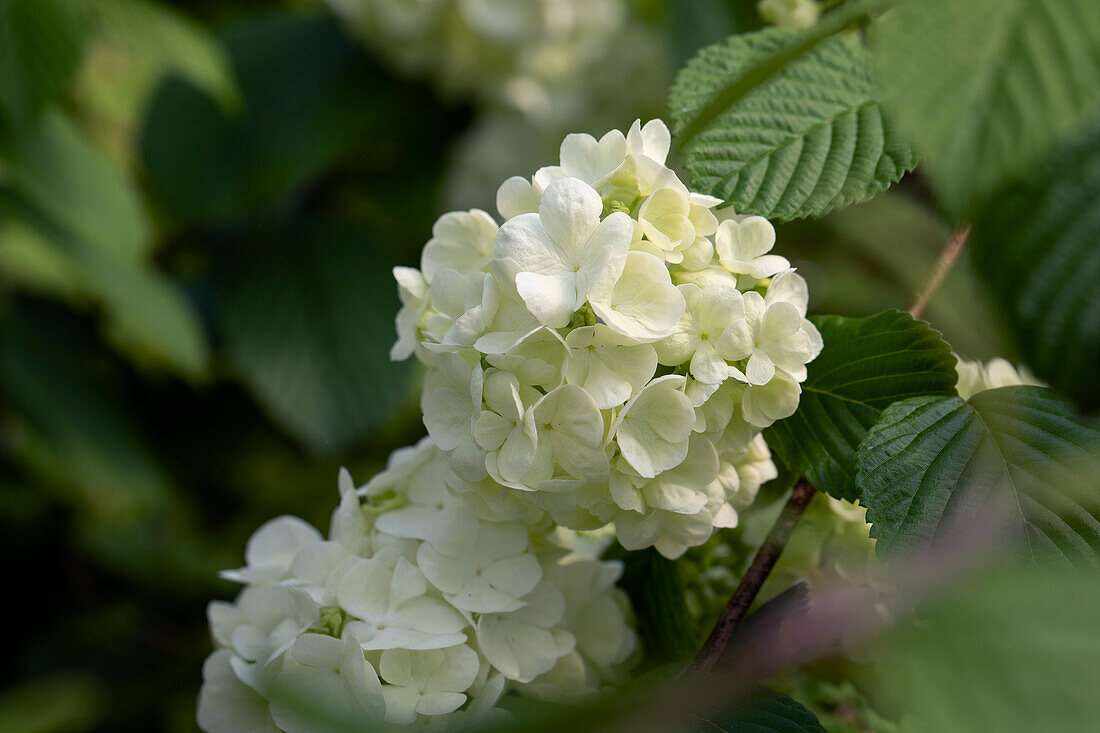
(1036, 247)
(811, 139)
(987, 86)
(307, 313)
(934, 465)
(40, 45)
(866, 364)
(1013, 652)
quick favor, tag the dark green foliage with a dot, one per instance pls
(764, 711)
(40, 45)
(1036, 248)
(656, 591)
(942, 467)
(307, 313)
(866, 364)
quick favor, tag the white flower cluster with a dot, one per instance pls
(414, 610)
(530, 56)
(975, 377)
(611, 352)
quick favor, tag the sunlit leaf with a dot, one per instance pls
(810, 139)
(934, 465)
(985, 87)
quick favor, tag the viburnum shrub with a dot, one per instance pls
(611, 360)
(610, 352)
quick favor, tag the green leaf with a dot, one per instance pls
(658, 597)
(810, 139)
(866, 364)
(40, 46)
(59, 174)
(74, 432)
(89, 215)
(1014, 651)
(307, 316)
(308, 101)
(987, 86)
(931, 464)
(764, 711)
(158, 41)
(1035, 248)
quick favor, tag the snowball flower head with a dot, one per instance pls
(415, 610)
(617, 352)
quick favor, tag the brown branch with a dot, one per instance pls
(950, 254)
(754, 577)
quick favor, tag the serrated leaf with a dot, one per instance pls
(810, 139)
(764, 711)
(1035, 247)
(986, 86)
(40, 45)
(931, 465)
(865, 365)
(657, 596)
(307, 317)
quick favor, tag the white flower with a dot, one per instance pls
(461, 241)
(553, 257)
(974, 376)
(596, 611)
(778, 399)
(506, 430)
(228, 705)
(672, 533)
(639, 300)
(452, 403)
(653, 140)
(392, 611)
(609, 366)
(591, 161)
(517, 196)
(524, 644)
(773, 336)
(680, 489)
(697, 336)
(741, 474)
(743, 247)
(326, 679)
(271, 550)
(430, 682)
(570, 433)
(412, 289)
(653, 429)
(495, 325)
(664, 218)
(262, 624)
(489, 573)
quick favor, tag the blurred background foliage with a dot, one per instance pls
(200, 204)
